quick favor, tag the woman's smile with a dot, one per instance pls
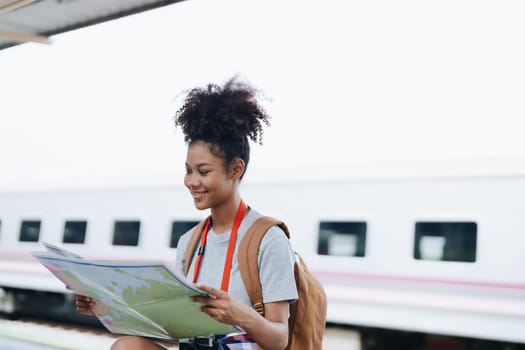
(198, 194)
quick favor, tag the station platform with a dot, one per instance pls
(21, 335)
(14, 344)
(15, 335)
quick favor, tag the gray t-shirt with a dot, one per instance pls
(276, 261)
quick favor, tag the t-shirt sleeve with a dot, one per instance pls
(276, 267)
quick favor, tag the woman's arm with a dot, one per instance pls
(271, 333)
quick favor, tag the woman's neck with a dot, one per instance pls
(224, 215)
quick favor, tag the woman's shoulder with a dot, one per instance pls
(274, 236)
(185, 238)
(253, 215)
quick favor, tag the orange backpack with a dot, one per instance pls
(307, 320)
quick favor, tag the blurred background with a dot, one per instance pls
(345, 81)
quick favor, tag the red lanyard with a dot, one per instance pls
(231, 247)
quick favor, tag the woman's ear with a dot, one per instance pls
(237, 168)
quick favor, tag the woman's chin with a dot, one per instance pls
(200, 205)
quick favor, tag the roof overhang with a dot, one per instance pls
(36, 20)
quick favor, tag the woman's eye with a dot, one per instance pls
(204, 172)
(188, 171)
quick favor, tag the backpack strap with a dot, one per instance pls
(248, 258)
(192, 245)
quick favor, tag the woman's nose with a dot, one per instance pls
(192, 180)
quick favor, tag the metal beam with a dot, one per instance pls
(10, 5)
(23, 37)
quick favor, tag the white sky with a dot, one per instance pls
(348, 81)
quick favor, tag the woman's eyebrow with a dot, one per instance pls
(200, 164)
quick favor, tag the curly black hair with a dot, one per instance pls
(223, 117)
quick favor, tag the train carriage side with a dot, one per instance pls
(437, 255)
(430, 255)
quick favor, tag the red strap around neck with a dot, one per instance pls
(231, 247)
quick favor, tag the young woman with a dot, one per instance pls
(217, 123)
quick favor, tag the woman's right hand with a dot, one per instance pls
(84, 304)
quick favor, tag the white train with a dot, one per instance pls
(441, 254)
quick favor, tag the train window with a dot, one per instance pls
(342, 238)
(445, 241)
(178, 228)
(29, 231)
(74, 232)
(126, 233)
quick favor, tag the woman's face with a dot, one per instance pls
(208, 181)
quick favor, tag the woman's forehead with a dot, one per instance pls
(199, 152)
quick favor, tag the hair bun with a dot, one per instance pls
(217, 113)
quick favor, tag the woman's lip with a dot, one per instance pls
(198, 194)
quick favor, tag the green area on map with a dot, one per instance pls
(140, 299)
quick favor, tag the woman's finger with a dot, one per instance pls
(84, 304)
(217, 293)
(201, 299)
(81, 297)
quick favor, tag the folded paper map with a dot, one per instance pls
(145, 298)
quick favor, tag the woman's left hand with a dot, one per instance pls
(270, 332)
(222, 307)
